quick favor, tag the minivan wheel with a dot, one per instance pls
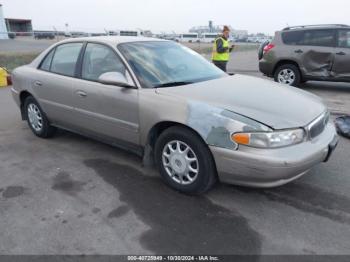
(288, 74)
(184, 161)
(36, 119)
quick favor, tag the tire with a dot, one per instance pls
(40, 127)
(206, 175)
(290, 68)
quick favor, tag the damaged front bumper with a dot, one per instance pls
(273, 167)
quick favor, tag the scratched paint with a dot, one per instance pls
(216, 125)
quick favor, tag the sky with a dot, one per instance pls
(266, 16)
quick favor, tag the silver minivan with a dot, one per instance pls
(302, 53)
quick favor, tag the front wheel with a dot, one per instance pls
(37, 119)
(184, 161)
(288, 74)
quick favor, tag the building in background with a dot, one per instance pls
(136, 32)
(22, 27)
(3, 29)
(210, 28)
(239, 34)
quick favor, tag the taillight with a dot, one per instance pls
(268, 48)
(9, 80)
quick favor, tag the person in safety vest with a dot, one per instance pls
(221, 49)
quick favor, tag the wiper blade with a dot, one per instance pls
(169, 84)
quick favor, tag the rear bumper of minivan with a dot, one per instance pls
(266, 67)
(273, 167)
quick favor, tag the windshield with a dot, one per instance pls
(165, 63)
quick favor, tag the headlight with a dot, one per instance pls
(270, 139)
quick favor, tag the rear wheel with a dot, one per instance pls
(184, 161)
(288, 74)
(36, 119)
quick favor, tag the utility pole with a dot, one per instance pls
(67, 29)
(56, 33)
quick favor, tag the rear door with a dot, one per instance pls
(313, 50)
(53, 83)
(105, 110)
(341, 66)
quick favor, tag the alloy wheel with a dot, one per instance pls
(286, 76)
(35, 117)
(180, 162)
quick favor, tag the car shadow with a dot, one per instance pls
(179, 224)
(326, 86)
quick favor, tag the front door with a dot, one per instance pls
(105, 110)
(341, 67)
(315, 52)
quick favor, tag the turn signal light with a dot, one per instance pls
(240, 138)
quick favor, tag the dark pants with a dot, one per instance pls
(221, 64)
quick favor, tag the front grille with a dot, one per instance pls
(318, 125)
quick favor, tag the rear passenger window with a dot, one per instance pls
(45, 65)
(65, 59)
(100, 59)
(293, 37)
(319, 38)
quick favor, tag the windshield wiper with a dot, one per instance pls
(169, 84)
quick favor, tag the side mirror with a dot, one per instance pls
(116, 79)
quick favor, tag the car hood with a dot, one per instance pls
(275, 105)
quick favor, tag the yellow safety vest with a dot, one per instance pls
(220, 56)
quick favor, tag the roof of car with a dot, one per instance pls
(321, 26)
(113, 39)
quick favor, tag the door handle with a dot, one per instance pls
(299, 51)
(340, 53)
(38, 83)
(81, 93)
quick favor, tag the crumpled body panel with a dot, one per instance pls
(317, 63)
(215, 125)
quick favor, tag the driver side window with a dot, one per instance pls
(100, 59)
(344, 38)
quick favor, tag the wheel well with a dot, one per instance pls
(23, 96)
(159, 128)
(155, 132)
(285, 62)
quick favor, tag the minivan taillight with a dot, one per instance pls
(268, 48)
